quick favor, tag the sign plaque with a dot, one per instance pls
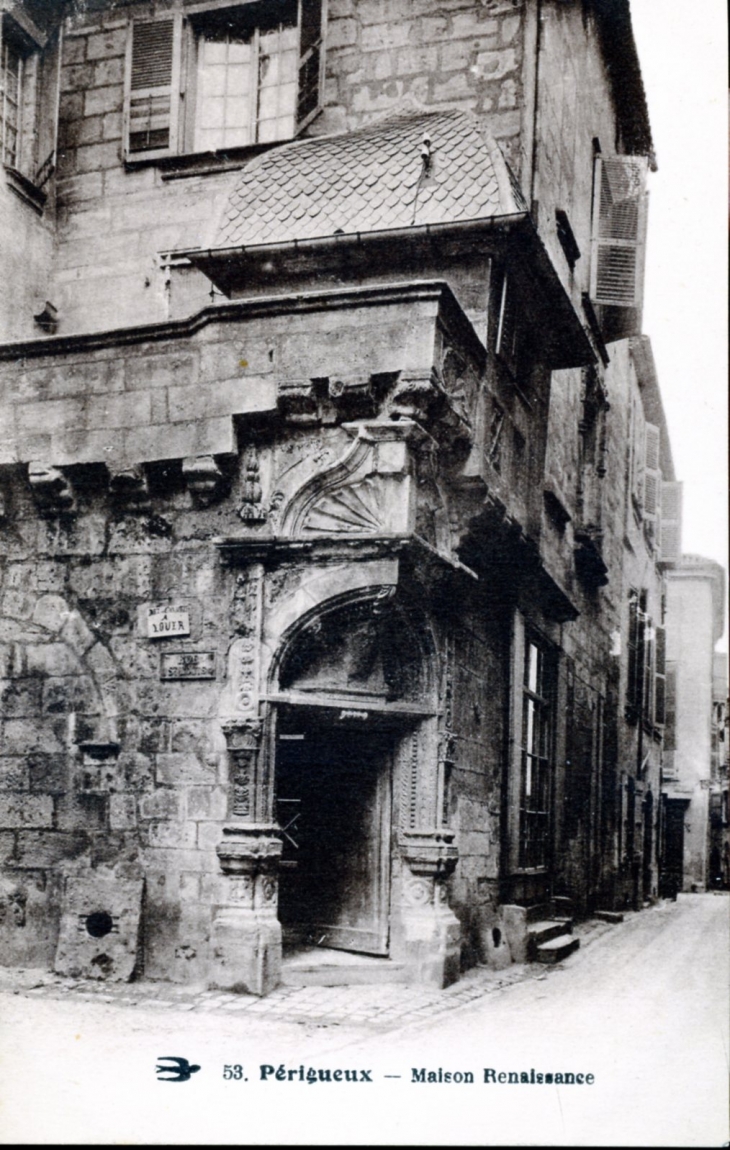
(187, 665)
(167, 622)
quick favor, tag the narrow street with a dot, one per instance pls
(642, 1007)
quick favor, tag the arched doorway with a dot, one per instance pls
(353, 682)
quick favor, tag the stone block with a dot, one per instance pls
(179, 768)
(99, 933)
(77, 77)
(172, 835)
(228, 396)
(387, 36)
(207, 804)
(20, 698)
(96, 157)
(76, 633)
(7, 846)
(25, 735)
(48, 774)
(21, 811)
(51, 612)
(129, 409)
(161, 804)
(177, 440)
(341, 32)
(14, 773)
(99, 101)
(47, 848)
(108, 43)
(150, 372)
(495, 65)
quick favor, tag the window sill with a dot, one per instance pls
(192, 164)
(26, 190)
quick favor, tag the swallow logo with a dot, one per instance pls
(180, 1069)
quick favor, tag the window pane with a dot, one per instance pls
(532, 667)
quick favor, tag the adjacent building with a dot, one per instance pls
(337, 493)
(695, 767)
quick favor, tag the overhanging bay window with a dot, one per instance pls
(221, 77)
(29, 63)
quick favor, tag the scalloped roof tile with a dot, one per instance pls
(372, 179)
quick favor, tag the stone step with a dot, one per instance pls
(540, 912)
(344, 969)
(556, 949)
(539, 932)
(608, 915)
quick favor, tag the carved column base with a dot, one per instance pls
(246, 936)
(429, 931)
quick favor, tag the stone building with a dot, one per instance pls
(695, 769)
(332, 471)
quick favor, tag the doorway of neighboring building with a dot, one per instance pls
(333, 804)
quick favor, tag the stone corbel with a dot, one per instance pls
(129, 487)
(203, 478)
(414, 396)
(297, 400)
(52, 489)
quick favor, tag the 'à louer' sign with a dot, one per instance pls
(164, 622)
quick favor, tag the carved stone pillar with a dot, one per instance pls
(246, 942)
(246, 930)
(430, 930)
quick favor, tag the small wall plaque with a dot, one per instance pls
(187, 665)
(167, 622)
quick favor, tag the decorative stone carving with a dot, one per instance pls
(129, 486)
(356, 509)
(431, 853)
(51, 488)
(243, 738)
(203, 478)
(297, 400)
(252, 509)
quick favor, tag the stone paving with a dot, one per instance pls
(376, 1006)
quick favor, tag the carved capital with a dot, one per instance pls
(414, 395)
(51, 488)
(297, 400)
(430, 853)
(242, 734)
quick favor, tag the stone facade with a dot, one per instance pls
(319, 601)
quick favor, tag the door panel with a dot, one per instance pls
(334, 806)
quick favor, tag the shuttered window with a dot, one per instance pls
(29, 85)
(670, 536)
(223, 78)
(619, 230)
(660, 677)
(652, 480)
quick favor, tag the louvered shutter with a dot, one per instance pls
(670, 535)
(619, 231)
(151, 105)
(652, 479)
(311, 60)
(660, 677)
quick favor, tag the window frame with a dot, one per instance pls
(186, 28)
(534, 850)
(39, 57)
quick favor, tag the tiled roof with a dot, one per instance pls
(369, 180)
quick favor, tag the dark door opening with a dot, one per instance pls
(333, 803)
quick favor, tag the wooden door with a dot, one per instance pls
(334, 805)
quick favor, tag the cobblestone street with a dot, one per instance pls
(641, 1006)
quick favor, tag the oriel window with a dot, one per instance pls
(11, 74)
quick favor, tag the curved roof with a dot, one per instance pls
(371, 179)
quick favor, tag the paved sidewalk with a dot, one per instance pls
(376, 1006)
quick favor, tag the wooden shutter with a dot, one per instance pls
(311, 60)
(152, 94)
(652, 480)
(48, 97)
(507, 333)
(660, 677)
(619, 231)
(670, 535)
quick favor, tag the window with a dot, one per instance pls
(670, 547)
(11, 71)
(537, 740)
(225, 77)
(619, 230)
(29, 62)
(652, 482)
